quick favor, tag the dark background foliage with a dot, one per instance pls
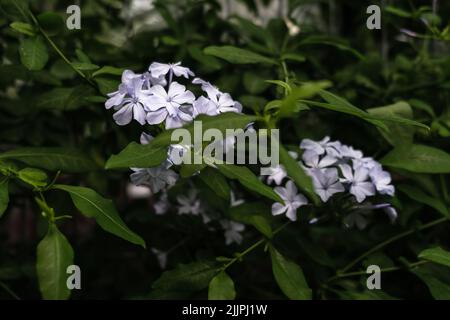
(370, 68)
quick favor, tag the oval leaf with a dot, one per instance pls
(54, 255)
(418, 158)
(53, 159)
(92, 205)
(221, 287)
(289, 277)
(33, 53)
(237, 55)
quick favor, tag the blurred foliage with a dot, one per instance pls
(45, 102)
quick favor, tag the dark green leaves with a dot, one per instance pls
(137, 155)
(436, 278)
(152, 154)
(418, 158)
(436, 255)
(4, 195)
(237, 55)
(53, 159)
(255, 214)
(183, 280)
(307, 90)
(216, 182)
(35, 177)
(54, 255)
(92, 205)
(24, 28)
(33, 53)
(418, 195)
(289, 277)
(248, 179)
(221, 287)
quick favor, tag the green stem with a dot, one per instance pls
(252, 247)
(59, 52)
(390, 269)
(7, 289)
(389, 241)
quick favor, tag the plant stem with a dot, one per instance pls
(7, 289)
(390, 240)
(59, 52)
(390, 269)
(252, 247)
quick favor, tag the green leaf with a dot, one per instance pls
(418, 158)
(293, 57)
(33, 53)
(184, 280)
(92, 205)
(298, 174)
(54, 255)
(24, 28)
(397, 134)
(437, 280)
(35, 177)
(332, 41)
(248, 179)
(139, 156)
(188, 170)
(109, 70)
(152, 154)
(4, 195)
(339, 104)
(289, 277)
(52, 159)
(216, 182)
(51, 22)
(436, 255)
(63, 98)
(221, 287)
(418, 195)
(398, 12)
(306, 90)
(237, 55)
(255, 214)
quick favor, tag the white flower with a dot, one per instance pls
(232, 231)
(151, 81)
(292, 201)
(168, 105)
(145, 138)
(161, 256)
(350, 152)
(162, 205)
(157, 178)
(204, 106)
(312, 160)
(326, 182)
(322, 146)
(359, 186)
(222, 102)
(382, 179)
(391, 213)
(189, 204)
(132, 105)
(161, 69)
(276, 174)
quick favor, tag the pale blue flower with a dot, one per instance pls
(292, 201)
(326, 183)
(360, 187)
(158, 70)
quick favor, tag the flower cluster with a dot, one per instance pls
(155, 97)
(334, 168)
